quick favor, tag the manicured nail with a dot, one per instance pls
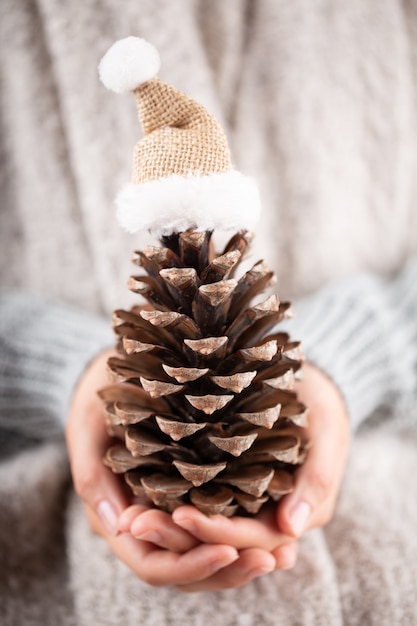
(108, 516)
(152, 536)
(289, 564)
(259, 571)
(299, 518)
(215, 566)
(187, 524)
(287, 557)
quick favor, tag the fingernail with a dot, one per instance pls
(218, 565)
(187, 524)
(215, 566)
(108, 516)
(289, 564)
(288, 557)
(259, 571)
(299, 518)
(150, 535)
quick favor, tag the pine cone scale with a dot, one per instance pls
(205, 403)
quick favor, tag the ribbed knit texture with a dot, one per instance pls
(44, 349)
(319, 103)
(362, 332)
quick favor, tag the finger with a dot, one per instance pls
(318, 481)
(313, 499)
(128, 516)
(160, 567)
(159, 528)
(239, 532)
(96, 485)
(286, 556)
(251, 564)
(87, 440)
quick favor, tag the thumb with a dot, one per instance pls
(317, 481)
(312, 501)
(87, 441)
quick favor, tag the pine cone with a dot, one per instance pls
(203, 401)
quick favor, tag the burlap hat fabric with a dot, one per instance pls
(183, 175)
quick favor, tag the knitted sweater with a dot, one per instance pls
(319, 103)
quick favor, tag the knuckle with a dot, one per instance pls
(85, 483)
(92, 520)
(325, 515)
(192, 588)
(151, 579)
(68, 432)
(321, 482)
(95, 530)
(94, 526)
(237, 583)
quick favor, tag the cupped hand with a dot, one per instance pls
(159, 551)
(318, 480)
(87, 440)
(259, 546)
(189, 550)
(202, 567)
(105, 496)
(275, 529)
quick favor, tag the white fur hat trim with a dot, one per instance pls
(177, 203)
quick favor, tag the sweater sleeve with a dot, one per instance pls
(44, 347)
(362, 331)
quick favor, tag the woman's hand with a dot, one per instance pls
(159, 551)
(189, 550)
(258, 546)
(87, 440)
(275, 529)
(318, 481)
(317, 484)
(197, 567)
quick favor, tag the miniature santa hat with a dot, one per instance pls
(183, 176)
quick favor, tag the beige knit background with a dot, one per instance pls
(181, 137)
(318, 105)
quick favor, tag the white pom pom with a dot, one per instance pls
(128, 63)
